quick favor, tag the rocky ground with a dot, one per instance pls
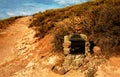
(22, 55)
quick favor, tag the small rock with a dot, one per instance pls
(82, 68)
(97, 50)
(85, 61)
(59, 70)
(66, 51)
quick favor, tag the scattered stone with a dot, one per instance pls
(90, 73)
(97, 50)
(59, 70)
(85, 61)
(83, 68)
(66, 45)
(66, 51)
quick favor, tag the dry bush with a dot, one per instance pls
(60, 31)
(100, 21)
(5, 22)
(103, 24)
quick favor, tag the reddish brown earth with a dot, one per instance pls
(9, 38)
(19, 47)
(22, 55)
(110, 69)
(10, 61)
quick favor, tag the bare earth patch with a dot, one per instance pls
(110, 69)
(10, 37)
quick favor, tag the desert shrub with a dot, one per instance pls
(5, 22)
(103, 23)
(59, 38)
(99, 20)
(42, 30)
(56, 15)
(61, 31)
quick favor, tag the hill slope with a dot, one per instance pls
(99, 20)
(24, 55)
(10, 37)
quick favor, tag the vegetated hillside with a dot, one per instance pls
(99, 20)
(5, 22)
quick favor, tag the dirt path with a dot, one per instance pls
(19, 44)
(9, 38)
(10, 60)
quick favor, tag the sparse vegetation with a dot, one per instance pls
(103, 24)
(98, 19)
(5, 22)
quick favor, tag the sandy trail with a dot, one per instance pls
(9, 38)
(10, 62)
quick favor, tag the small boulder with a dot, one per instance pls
(59, 70)
(97, 50)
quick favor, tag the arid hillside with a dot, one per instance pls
(32, 46)
(99, 20)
